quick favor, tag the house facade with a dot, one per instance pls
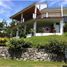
(41, 20)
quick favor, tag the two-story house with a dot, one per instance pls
(43, 20)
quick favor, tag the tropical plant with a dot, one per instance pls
(16, 46)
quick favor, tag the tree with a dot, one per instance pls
(4, 23)
(3, 26)
(13, 28)
(17, 29)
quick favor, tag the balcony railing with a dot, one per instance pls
(49, 15)
(65, 14)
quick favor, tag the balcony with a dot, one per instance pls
(50, 15)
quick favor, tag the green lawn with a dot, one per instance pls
(15, 63)
(43, 40)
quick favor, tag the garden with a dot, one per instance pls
(50, 44)
(41, 51)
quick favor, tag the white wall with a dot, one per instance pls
(57, 27)
(61, 26)
(41, 6)
(59, 30)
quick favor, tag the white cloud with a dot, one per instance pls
(4, 5)
(64, 2)
(57, 2)
(53, 3)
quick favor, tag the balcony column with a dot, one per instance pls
(61, 21)
(34, 17)
(46, 14)
(17, 32)
(62, 10)
(22, 21)
(61, 26)
(22, 18)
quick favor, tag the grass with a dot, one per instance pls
(35, 40)
(43, 40)
(15, 63)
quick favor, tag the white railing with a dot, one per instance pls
(49, 15)
(65, 15)
(54, 15)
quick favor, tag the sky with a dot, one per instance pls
(10, 7)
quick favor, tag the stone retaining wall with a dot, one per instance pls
(35, 54)
(4, 52)
(29, 54)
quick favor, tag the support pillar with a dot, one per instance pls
(35, 28)
(34, 17)
(17, 32)
(61, 26)
(62, 10)
(22, 19)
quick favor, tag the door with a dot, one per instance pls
(57, 27)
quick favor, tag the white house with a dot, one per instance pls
(43, 20)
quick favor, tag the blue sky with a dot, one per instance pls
(10, 7)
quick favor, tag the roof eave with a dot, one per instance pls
(22, 10)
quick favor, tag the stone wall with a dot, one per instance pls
(4, 52)
(28, 54)
(35, 54)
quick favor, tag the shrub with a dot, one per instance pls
(27, 44)
(57, 47)
(3, 41)
(52, 44)
(16, 45)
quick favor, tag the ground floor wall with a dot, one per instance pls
(53, 28)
